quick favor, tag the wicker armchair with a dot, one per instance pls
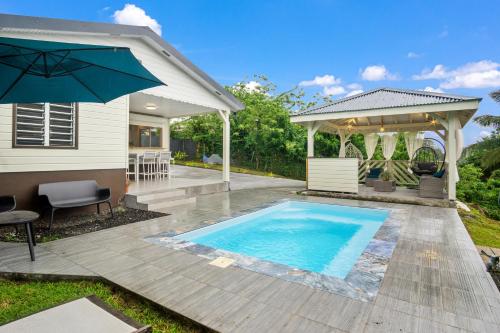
(431, 187)
(384, 185)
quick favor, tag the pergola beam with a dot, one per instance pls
(427, 126)
(440, 120)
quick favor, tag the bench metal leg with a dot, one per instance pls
(110, 209)
(30, 241)
(98, 209)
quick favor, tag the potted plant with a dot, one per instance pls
(385, 183)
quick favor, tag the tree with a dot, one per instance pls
(488, 149)
(262, 136)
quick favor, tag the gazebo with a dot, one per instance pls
(383, 113)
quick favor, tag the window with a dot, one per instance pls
(144, 136)
(45, 125)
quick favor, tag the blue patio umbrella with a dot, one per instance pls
(34, 71)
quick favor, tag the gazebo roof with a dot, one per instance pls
(390, 109)
(386, 98)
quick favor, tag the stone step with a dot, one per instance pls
(165, 194)
(161, 204)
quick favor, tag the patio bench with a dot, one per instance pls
(74, 194)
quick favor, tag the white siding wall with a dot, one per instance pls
(180, 87)
(333, 174)
(102, 142)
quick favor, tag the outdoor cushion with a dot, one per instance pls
(427, 166)
(439, 174)
(374, 173)
(214, 159)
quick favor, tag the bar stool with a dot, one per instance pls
(133, 160)
(148, 161)
(164, 164)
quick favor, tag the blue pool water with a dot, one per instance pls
(322, 238)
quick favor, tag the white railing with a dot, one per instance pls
(399, 170)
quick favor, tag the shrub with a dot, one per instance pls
(386, 175)
(180, 156)
(473, 188)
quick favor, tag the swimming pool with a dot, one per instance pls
(322, 238)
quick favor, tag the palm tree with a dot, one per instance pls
(491, 144)
(495, 95)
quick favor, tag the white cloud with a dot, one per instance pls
(413, 55)
(430, 89)
(481, 74)
(334, 90)
(377, 73)
(354, 86)
(443, 33)
(133, 15)
(484, 134)
(354, 92)
(322, 81)
(252, 86)
(438, 72)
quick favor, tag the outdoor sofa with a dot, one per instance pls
(73, 194)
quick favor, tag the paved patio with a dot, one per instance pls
(435, 280)
(183, 176)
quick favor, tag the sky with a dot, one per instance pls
(332, 47)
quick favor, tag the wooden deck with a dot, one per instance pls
(435, 281)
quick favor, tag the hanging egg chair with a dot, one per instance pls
(351, 151)
(428, 159)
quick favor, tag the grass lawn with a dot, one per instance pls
(483, 230)
(21, 298)
(233, 168)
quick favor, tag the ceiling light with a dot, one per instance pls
(151, 106)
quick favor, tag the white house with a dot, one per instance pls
(102, 135)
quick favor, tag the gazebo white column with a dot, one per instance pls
(165, 140)
(312, 128)
(226, 141)
(452, 156)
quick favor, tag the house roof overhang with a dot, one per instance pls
(31, 23)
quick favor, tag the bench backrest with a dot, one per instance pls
(68, 190)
